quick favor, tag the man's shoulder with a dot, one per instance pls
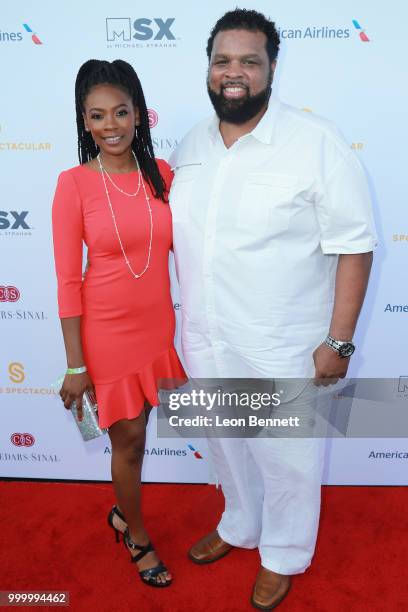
(198, 128)
(311, 124)
(307, 118)
(192, 142)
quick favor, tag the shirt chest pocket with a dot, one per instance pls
(266, 202)
(181, 191)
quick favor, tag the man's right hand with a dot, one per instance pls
(73, 388)
(329, 367)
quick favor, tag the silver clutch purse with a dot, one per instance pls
(89, 426)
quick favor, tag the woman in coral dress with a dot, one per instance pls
(118, 324)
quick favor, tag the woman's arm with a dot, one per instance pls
(71, 330)
(74, 385)
(67, 220)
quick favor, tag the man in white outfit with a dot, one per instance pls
(273, 241)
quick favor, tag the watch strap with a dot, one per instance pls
(336, 345)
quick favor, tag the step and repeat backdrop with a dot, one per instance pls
(342, 60)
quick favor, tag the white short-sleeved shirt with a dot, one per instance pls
(256, 231)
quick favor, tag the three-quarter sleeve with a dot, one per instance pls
(67, 225)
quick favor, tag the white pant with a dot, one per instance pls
(272, 497)
(271, 484)
(272, 487)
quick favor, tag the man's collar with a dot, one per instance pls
(263, 131)
(214, 127)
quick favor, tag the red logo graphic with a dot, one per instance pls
(195, 452)
(22, 439)
(34, 36)
(361, 32)
(153, 118)
(9, 293)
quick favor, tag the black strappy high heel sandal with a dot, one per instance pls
(115, 510)
(148, 576)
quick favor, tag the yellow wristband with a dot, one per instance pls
(80, 370)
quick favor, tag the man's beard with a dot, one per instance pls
(242, 110)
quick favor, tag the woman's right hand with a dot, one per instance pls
(73, 388)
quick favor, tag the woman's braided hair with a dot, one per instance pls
(119, 74)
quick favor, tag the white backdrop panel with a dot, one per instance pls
(362, 86)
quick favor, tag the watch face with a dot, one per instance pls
(347, 349)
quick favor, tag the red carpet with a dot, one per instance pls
(54, 536)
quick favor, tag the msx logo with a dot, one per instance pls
(13, 219)
(121, 28)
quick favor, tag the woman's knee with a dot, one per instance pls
(132, 452)
(128, 441)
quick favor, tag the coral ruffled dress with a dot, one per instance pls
(127, 324)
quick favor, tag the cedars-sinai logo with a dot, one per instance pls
(22, 439)
(9, 293)
(153, 118)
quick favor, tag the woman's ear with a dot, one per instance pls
(137, 116)
(85, 123)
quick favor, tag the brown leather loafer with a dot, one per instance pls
(209, 549)
(269, 590)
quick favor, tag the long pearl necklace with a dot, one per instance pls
(103, 169)
(114, 218)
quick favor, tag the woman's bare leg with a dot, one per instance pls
(128, 444)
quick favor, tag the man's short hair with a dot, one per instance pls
(243, 19)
